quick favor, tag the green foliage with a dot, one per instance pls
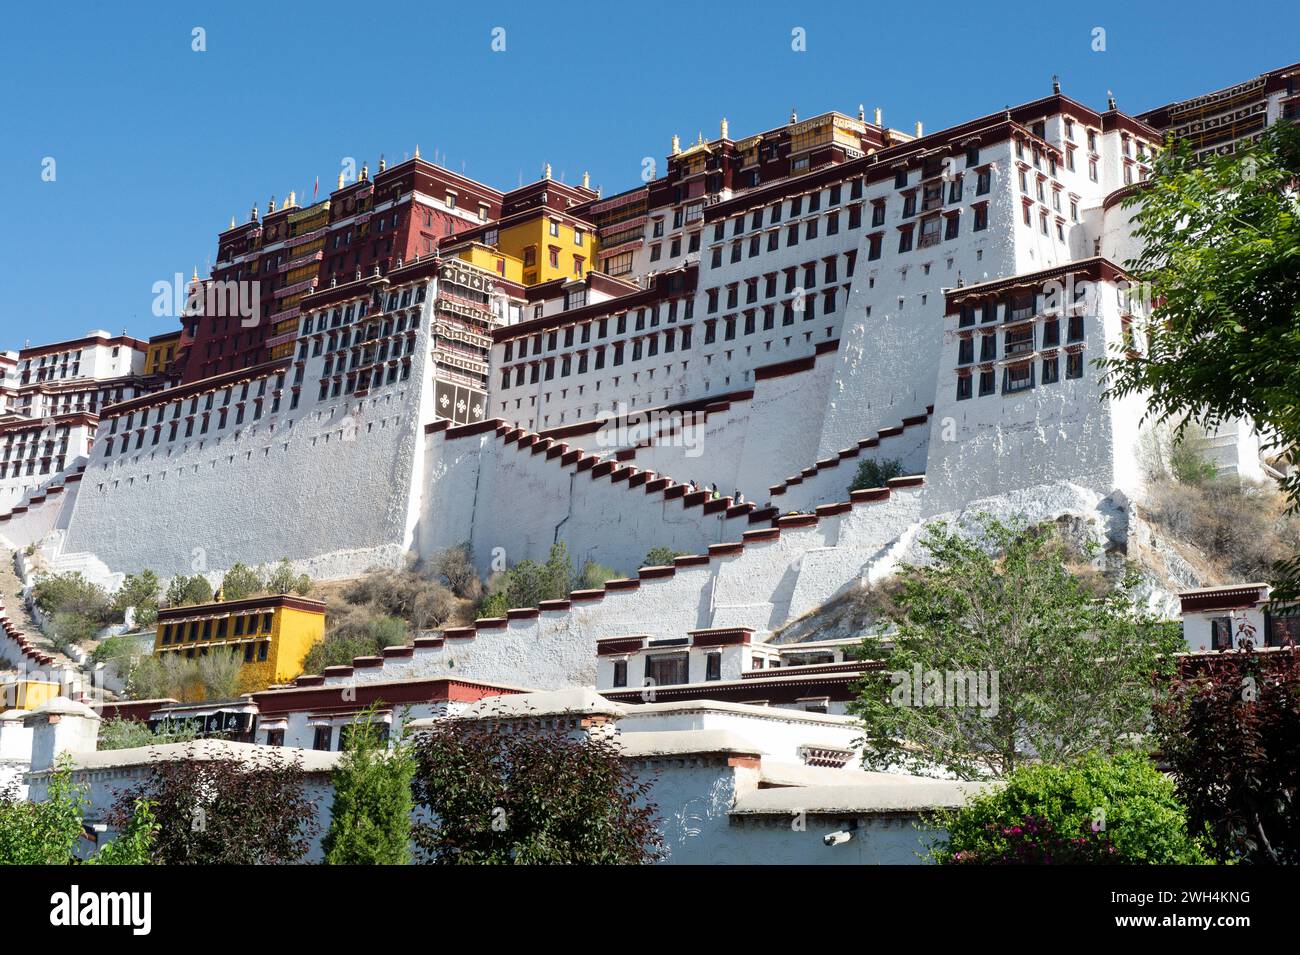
(661, 557)
(48, 832)
(68, 629)
(873, 473)
(128, 734)
(76, 608)
(122, 652)
(184, 591)
(282, 580)
(1073, 668)
(188, 679)
(528, 583)
(1096, 809)
(360, 634)
(370, 822)
(593, 576)
(1220, 249)
(528, 798)
(134, 846)
(241, 581)
(1187, 464)
(141, 591)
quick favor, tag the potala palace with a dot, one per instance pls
(420, 360)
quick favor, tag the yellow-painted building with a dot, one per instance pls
(549, 246)
(269, 635)
(491, 260)
(162, 349)
(28, 694)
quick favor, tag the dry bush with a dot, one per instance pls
(1241, 527)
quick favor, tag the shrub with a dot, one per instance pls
(1186, 463)
(1230, 734)
(48, 832)
(253, 811)
(534, 797)
(661, 557)
(370, 822)
(360, 633)
(68, 629)
(1095, 809)
(282, 580)
(872, 473)
(528, 583)
(188, 679)
(122, 652)
(128, 734)
(593, 576)
(455, 566)
(1242, 528)
(72, 593)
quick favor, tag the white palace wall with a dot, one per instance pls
(329, 485)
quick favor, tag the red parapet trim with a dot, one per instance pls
(528, 440)
(763, 514)
(726, 550)
(656, 573)
(587, 461)
(717, 504)
(522, 613)
(341, 669)
(429, 643)
(618, 646)
(626, 583)
(909, 480)
(390, 652)
(674, 491)
(760, 535)
(367, 663)
(625, 454)
(830, 510)
(554, 604)
(585, 596)
(569, 457)
(512, 436)
(826, 347)
(459, 633)
(695, 497)
(556, 450)
(433, 427)
(637, 478)
(602, 469)
(781, 369)
(622, 474)
(491, 623)
(691, 560)
(656, 484)
(797, 520)
(868, 494)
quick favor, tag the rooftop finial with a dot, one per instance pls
(417, 150)
(292, 200)
(880, 117)
(365, 171)
(232, 222)
(677, 144)
(1110, 100)
(586, 179)
(1056, 83)
(546, 171)
(723, 128)
(920, 130)
(382, 165)
(862, 113)
(252, 215)
(794, 117)
(270, 206)
(340, 178)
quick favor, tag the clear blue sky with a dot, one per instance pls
(157, 146)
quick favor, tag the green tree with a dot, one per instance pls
(661, 557)
(122, 652)
(528, 583)
(241, 581)
(370, 822)
(184, 591)
(1221, 253)
(139, 591)
(873, 473)
(1096, 809)
(48, 832)
(998, 654)
(361, 634)
(67, 629)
